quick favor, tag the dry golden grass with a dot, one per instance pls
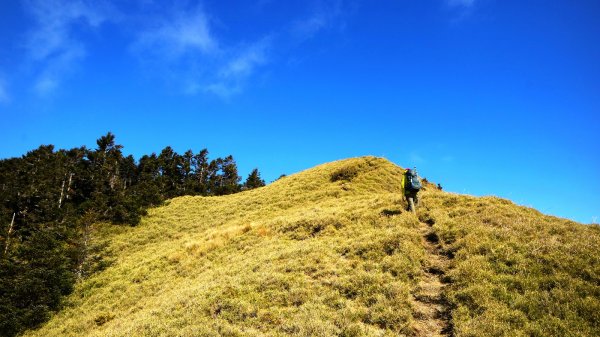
(331, 252)
(303, 256)
(516, 272)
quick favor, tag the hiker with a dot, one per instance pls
(411, 186)
(439, 187)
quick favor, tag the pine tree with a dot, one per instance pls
(229, 177)
(201, 172)
(171, 172)
(50, 201)
(148, 187)
(254, 180)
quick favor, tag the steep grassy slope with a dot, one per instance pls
(514, 271)
(331, 252)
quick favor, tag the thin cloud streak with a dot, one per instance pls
(61, 65)
(233, 75)
(307, 28)
(188, 52)
(328, 14)
(54, 18)
(462, 9)
(51, 45)
(245, 62)
(224, 69)
(241, 66)
(177, 44)
(182, 33)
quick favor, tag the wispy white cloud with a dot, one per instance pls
(461, 9)
(176, 41)
(52, 44)
(182, 45)
(307, 28)
(61, 65)
(186, 51)
(180, 33)
(235, 72)
(243, 64)
(326, 15)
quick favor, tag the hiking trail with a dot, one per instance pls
(431, 309)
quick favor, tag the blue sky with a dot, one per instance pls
(486, 97)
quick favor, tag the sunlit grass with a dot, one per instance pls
(515, 271)
(303, 256)
(331, 252)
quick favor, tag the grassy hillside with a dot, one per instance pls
(516, 272)
(331, 252)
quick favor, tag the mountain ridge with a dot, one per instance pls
(331, 251)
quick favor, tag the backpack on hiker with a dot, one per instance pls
(412, 180)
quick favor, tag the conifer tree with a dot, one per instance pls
(187, 165)
(254, 180)
(148, 188)
(201, 172)
(171, 172)
(227, 177)
(51, 200)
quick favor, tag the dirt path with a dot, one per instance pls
(431, 309)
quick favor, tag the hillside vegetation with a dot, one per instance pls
(51, 198)
(331, 252)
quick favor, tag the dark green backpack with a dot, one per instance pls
(412, 181)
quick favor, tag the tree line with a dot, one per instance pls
(50, 201)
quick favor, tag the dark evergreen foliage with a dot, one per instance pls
(254, 180)
(50, 200)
